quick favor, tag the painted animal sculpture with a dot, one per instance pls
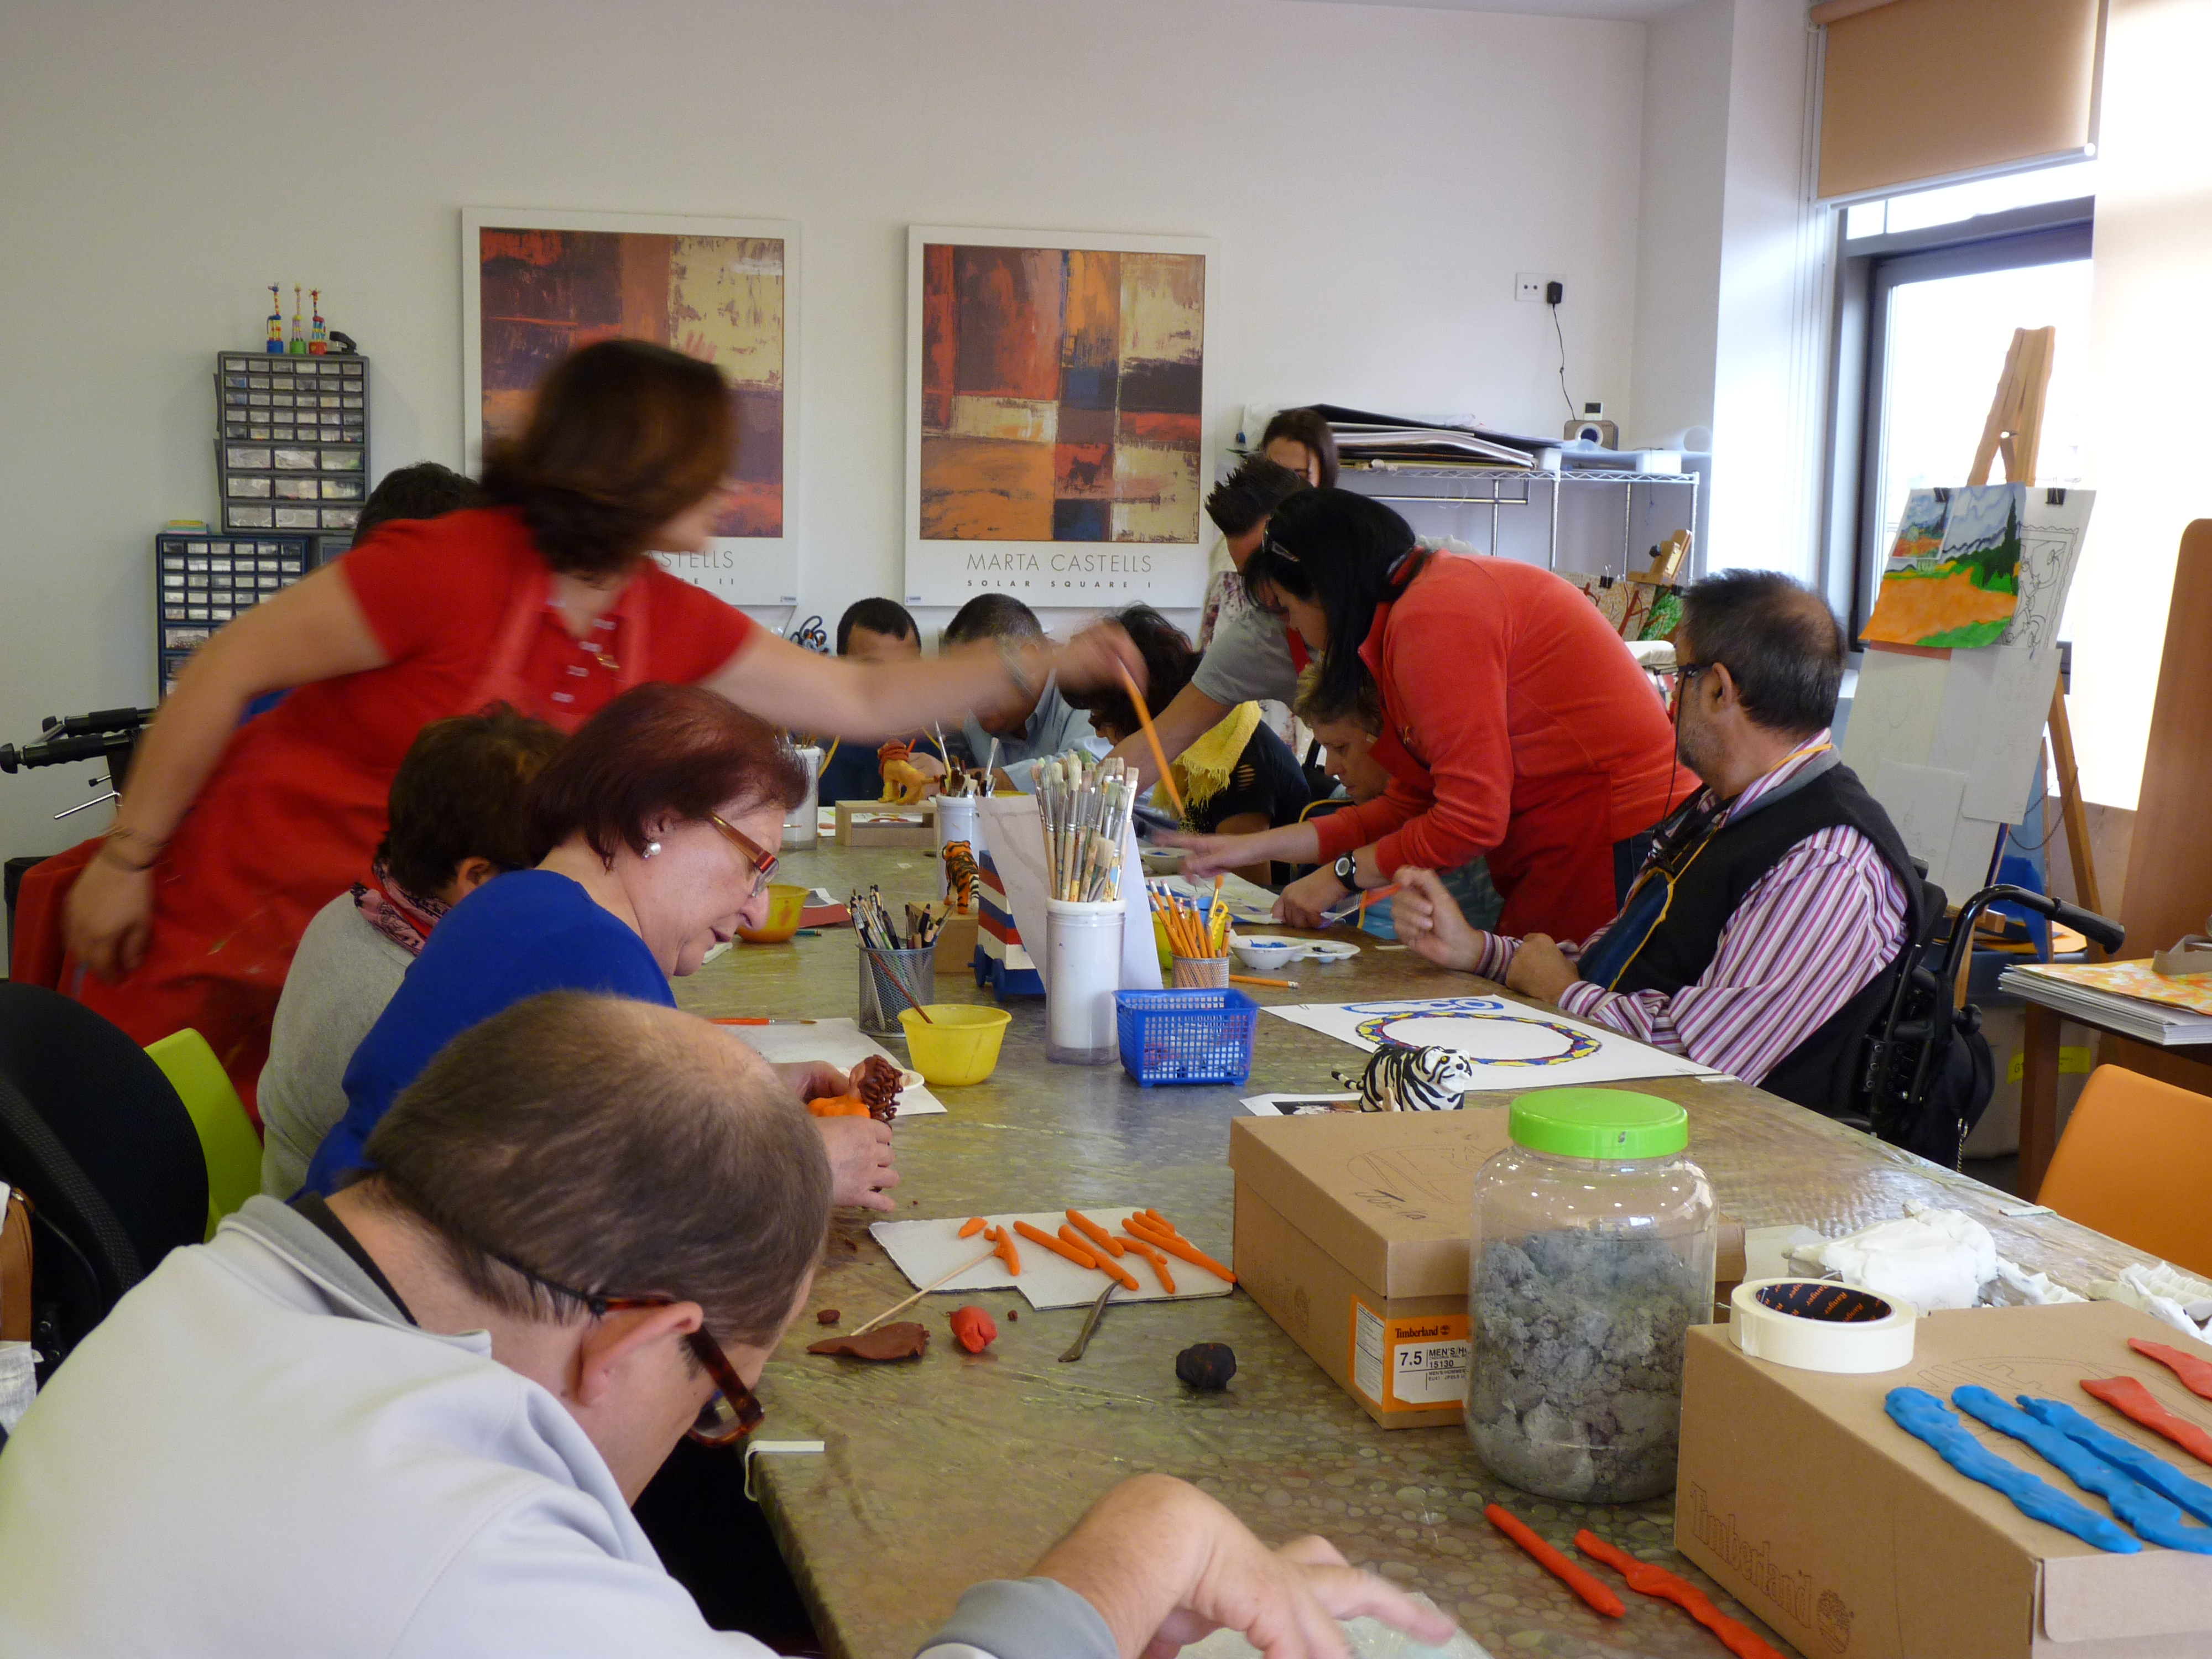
(903, 782)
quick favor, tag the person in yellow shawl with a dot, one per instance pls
(1237, 777)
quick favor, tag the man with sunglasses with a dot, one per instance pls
(1764, 933)
(409, 1421)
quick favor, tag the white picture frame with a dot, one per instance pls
(745, 569)
(1093, 572)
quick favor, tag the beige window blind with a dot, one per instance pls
(1914, 90)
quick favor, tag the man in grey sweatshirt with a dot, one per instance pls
(408, 1422)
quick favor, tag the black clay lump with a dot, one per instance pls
(1207, 1365)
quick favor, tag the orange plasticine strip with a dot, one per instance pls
(1005, 1252)
(1159, 1263)
(1098, 1234)
(974, 1224)
(1104, 1262)
(1177, 1247)
(1038, 1236)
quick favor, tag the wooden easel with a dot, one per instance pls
(2014, 431)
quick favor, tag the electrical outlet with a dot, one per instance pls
(1529, 286)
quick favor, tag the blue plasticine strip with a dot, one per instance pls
(2152, 1471)
(1922, 1415)
(2150, 1515)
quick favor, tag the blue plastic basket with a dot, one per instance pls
(1186, 1036)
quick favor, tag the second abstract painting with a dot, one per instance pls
(1058, 409)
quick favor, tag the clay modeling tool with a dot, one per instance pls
(934, 1284)
(1924, 1417)
(2155, 1473)
(2195, 1374)
(1647, 1580)
(1089, 1324)
(2153, 1516)
(1574, 1578)
(1152, 737)
(2129, 1397)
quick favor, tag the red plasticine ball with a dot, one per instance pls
(973, 1329)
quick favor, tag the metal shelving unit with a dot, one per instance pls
(1498, 488)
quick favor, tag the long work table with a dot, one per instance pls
(958, 1469)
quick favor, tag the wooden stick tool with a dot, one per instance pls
(934, 1284)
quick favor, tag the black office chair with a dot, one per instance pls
(93, 1133)
(1928, 1075)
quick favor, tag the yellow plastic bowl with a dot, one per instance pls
(961, 1044)
(784, 902)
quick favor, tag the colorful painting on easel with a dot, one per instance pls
(1952, 580)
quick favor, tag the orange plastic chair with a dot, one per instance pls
(2136, 1163)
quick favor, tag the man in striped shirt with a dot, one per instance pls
(1766, 932)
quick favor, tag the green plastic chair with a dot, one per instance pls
(227, 1139)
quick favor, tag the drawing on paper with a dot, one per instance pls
(1516, 1046)
(542, 292)
(1953, 576)
(1060, 394)
(1482, 1032)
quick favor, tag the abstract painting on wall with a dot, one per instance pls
(1057, 415)
(537, 285)
(1953, 576)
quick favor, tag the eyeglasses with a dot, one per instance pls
(762, 861)
(734, 1412)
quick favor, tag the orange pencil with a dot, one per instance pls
(1152, 737)
(1098, 1234)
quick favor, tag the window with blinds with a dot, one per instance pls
(1913, 91)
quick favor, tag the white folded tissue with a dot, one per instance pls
(1931, 1258)
(1370, 1638)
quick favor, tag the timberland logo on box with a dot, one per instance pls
(1793, 1592)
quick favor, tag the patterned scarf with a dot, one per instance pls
(398, 915)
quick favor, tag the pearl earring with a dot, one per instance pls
(651, 848)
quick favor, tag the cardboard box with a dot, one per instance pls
(1854, 1541)
(1351, 1231)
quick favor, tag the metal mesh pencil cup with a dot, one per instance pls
(883, 974)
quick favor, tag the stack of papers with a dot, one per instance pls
(2126, 997)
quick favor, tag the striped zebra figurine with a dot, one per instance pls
(1399, 1078)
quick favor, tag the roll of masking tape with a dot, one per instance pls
(1818, 1325)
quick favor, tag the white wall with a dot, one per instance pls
(1374, 177)
(2151, 342)
(1678, 276)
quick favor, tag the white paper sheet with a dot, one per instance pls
(1923, 802)
(1894, 710)
(1513, 1045)
(839, 1041)
(923, 1249)
(1012, 829)
(1293, 1105)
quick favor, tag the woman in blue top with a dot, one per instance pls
(653, 824)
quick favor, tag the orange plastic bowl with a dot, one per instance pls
(784, 902)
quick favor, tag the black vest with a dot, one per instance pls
(1822, 1072)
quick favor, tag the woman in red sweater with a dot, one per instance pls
(1516, 724)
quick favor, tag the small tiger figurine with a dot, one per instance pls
(961, 874)
(1399, 1078)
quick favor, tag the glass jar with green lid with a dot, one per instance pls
(1592, 1255)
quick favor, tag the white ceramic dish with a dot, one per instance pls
(1331, 950)
(1264, 953)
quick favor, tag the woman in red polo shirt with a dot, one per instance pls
(1516, 725)
(229, 838)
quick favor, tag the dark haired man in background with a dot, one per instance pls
(1766, 932)
(871, 630)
